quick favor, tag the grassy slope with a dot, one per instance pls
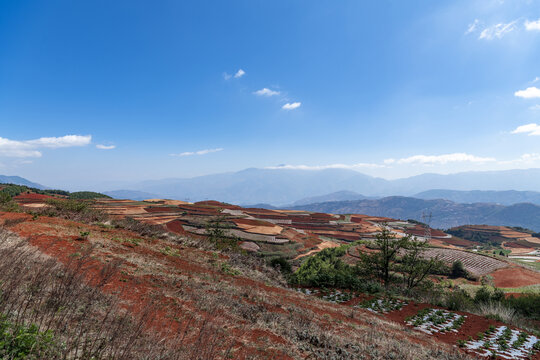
(184, 286)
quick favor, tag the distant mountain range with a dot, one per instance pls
(509, 197)
(17, 180)
(335, 196)
(285, 186)
(445, 213)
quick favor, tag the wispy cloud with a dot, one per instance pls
(324, 167)
(30, 148)
(291, 106)
(239, 73)
(529, 129)
(200, 152)
(497, 31)
(535, 107)
(473, 26)
(439, 159)
(236, 75)
(529, 93)
(105, 147)
(266, 92)
(532, 25)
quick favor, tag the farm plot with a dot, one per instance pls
(433, 321)
(503, 342)
(383, 306)
(473, 263)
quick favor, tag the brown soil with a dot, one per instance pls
(515, 276)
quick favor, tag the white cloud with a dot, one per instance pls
(323, 167)
(528, 158)
(239, 73)
(61, 142)
(497, 30)
(529, 93)
(532, 25)
(29, 148)
(536, 79)
(105, 147)
(439, 159)
(266, 92)
(535, 107)
(529, 129)
(200, 152)
(473, 26)
(227, 76)
(291, 106)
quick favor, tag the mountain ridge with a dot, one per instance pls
(281, 187)
(445, 213)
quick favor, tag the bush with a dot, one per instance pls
(458, 270)
(7, 203)
(281, 264)
(24, 342)
(483, 295)
(4, 198)
(326, 269)
(528, 305)
(458, 300)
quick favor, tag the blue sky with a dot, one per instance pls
(156, 89)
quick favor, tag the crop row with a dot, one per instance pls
(503, 342)
(435, 320)
(383, 306)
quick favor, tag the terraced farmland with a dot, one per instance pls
(474, 263)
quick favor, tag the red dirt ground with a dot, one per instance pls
(512, 277)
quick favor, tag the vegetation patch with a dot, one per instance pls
(383, 306)
(503, 342)
(433, 321)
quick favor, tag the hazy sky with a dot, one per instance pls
(94, 91)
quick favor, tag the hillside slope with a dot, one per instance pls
(214, 305)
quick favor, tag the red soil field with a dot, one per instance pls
(28, 198)
(512, 277)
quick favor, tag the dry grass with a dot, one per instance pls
(245, 316)
(87, 324)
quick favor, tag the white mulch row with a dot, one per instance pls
(521, 352)
(426, 323)
(384, 306)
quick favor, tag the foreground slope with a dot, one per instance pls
(183, 287)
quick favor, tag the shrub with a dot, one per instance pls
(23, 342)
(281, 264)
(7, 204)
(483, 295)
(497, 311)
(326, 269)
(4, 198)
(528, 305)
(458, 270)
(457, 300)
